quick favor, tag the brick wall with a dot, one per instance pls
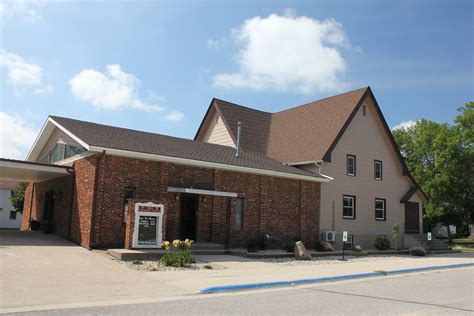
(285, 209)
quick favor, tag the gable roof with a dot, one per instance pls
(287, 133)
(132, 143)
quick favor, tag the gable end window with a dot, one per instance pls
(380, 213)
(348, 206)
(351, 165)
(378, 171)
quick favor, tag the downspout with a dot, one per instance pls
(72, 200)
(31, 204)
(94, 202)
(227, 225)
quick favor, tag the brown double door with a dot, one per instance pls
(412, 218)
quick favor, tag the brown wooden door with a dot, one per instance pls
(412, 218)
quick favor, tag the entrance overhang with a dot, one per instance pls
(19, 170)
(203, 192)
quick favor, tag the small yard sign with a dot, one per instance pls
(429, 236)
(147, 231)
(344, 236)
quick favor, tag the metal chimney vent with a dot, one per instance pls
(239, 127)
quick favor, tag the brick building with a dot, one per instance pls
(208, 193)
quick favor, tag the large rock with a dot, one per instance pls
(300, 252)
(327, 246)
(417, 251)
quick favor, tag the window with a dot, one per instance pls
(348, 206)
(351, 165)
(380, 209)
(239, 213)
(13, 215)
(349, 244)
(72, 150)
(60, 152)
(378, 173)
(57, 153)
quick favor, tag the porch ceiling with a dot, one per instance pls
(19, 170)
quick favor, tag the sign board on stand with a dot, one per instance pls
(429, 236)
(147, 231)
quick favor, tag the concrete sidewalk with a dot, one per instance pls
(45, 272)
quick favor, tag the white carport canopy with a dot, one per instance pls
(19, 170)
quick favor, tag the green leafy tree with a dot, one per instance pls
(17, 197)
(440, 158)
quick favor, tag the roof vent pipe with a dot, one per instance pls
(239, 127)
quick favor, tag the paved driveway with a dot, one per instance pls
(46, 272)
(41, 271)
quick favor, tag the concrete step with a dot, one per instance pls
(208, 246)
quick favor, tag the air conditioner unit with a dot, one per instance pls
(329, 235)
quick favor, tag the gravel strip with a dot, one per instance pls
(152, 266)
(332, 260)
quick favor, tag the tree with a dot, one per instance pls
(17, 197)
(440, 159)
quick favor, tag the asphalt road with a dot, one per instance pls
(448, 292)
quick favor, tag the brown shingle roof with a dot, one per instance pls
(143, 142)
(285, 135)
(255, 128)
(317, 123)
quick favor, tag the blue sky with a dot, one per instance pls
(155, 65)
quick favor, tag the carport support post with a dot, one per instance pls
(31, 204)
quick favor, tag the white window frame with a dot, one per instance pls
(349, 157)
(384, 209)
(353, 206)
(378, 162)
(159, 230)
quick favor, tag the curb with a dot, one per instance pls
(253, 286)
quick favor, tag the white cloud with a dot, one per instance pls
(45, 90)
(21, 10)
(174, 116)
(288, 53)
(405, 125)
(16, 136)
(23, 74)
(110, 90)
(20, 71)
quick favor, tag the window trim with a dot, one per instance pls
(375, 170)
(348, 156)
(384, 209)
(353, 206)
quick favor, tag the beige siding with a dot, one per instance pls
(217, 132)
(365, 138)
(57, 137)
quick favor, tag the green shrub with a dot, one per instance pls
(382, 243)
(180, 258)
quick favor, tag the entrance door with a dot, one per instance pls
(412, 218)
(48, 209)
(189, 205)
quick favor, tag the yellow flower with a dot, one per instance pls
(165, 245)
(176, 243)
(188, 243)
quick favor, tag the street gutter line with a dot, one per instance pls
(253, 286)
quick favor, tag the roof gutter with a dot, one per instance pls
(206, 164)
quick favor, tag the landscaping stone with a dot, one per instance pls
(327, 246)
(417, 251)
(300, 252)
